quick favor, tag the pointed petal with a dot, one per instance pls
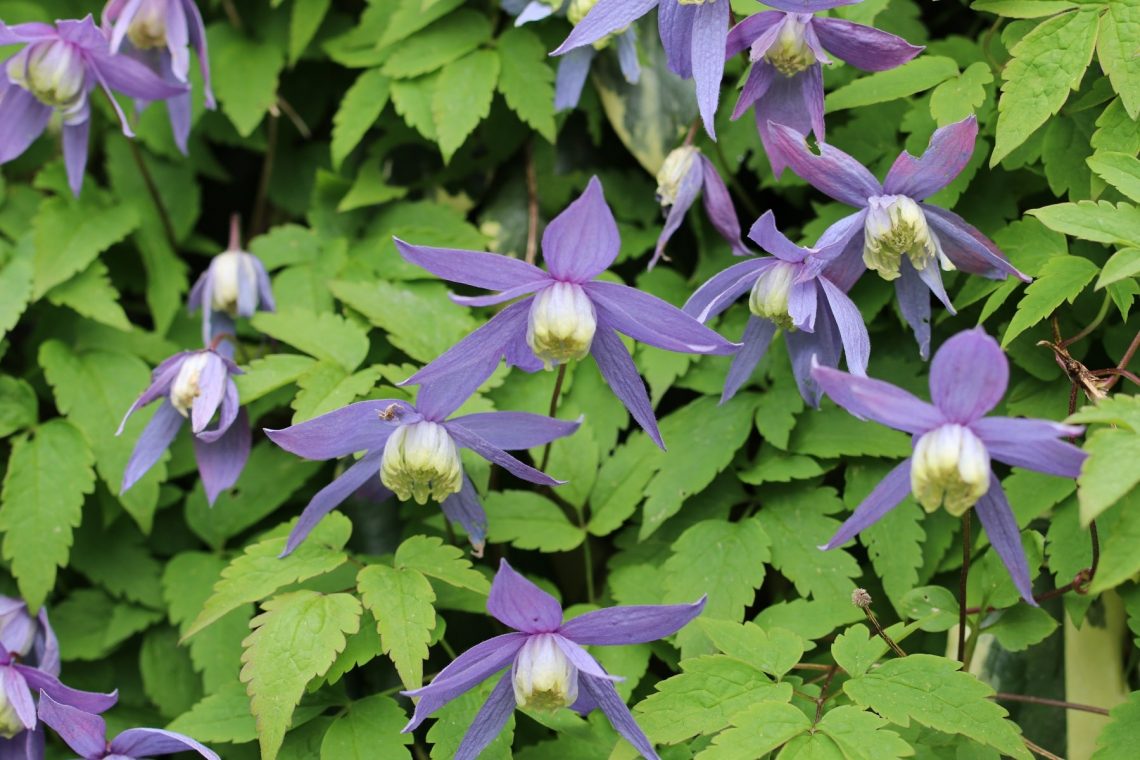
(626, 43)
(620, 373)
(1032, 444)
(533, 11)
(88, 701)
(145, 742)
(852, 330)
(845, 235)
(879, 401)
(83, 732)
(611, 703)
(887, 495)
(582, 241)
(471, 440)
(803, 303)
(998, 520)
(18, 695)
(29, 32)
(967, 248)
(75, 153)
(650, 320)
(356, 427)
(687, 192)
(864, 47)
(582, 660)
(914, 303)
(177, 42)
(128, 76)
(932, 277)
(833, 172)
(212, 387)
(573, 69)
(220, 462)
(161, 378)
(675, 29)
(765, 234)
(718, 206)
(710, 32)
(230, 407)
(807, 349)
(332, 495)
(197, 31)
(725, 287)
(796, 102)
(155, 440)
(741, 36)
(489, 721)
(22, 120)
(516, 602)
(124, 14)
(946, 156)
(516, 430)
(265, 299)
(760, 79)
(464, 508)
(630, 625)
(605, 18)
(808, 6)
(757, 337)
(502, 297)
(492, 271)
(968, 376)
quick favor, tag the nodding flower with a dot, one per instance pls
(234, 285)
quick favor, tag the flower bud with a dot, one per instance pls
(10, 723)
(544, 678)
(677, 166)
(790, 53)
(578, 10)
(147, 28)
(562, 324)
(421, 461)
(896, 227)
(234, 283)
(950, 468)
(53, 71)
(18, 629)
(769, 298)
(187, 383)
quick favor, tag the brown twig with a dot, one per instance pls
(531, 206)
(1039, 750)
(152, 189)
(260, 206)
(812, 666)
(861, 599)
(554, 398)
(822, 698)
(1004, 697)
(295, 118)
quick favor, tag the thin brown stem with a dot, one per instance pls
(295, 118)
(1125, 360)
(964, 578)
(812, 666)
(1040, 751)
(531, 206)
(232, 14)
(822, 698)
(874, 621)
(152, 190)
(692, 133)
(1091, 326)
(554, 399)
(1004, 697)
(261, 204)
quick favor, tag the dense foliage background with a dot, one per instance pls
(343, 124)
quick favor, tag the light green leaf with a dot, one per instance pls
(526, 81)
(1119, 739)
(412, 99)
(621, 483)
(1020, 627)
(326, 387)
(774, 466)
(245, 75)
(447, 40)
(914, 76)
(955, 99)
(325, 336)
(776, 411)
(1047, 63)
(70, 234)
(304, 22)
(168, 676)
(1061, 279)
(934, 692)
(42, 503)
(1121, 265)
(359, 109)
(1116, 47)
(528, 520)
(1119, 560)
(1024, 8)
(462, 98)
(861, 735)
(15, 283)
(91, 294)
(430, 556)
(265, 375)
(856, 650)
(1109, 472)
(401, 601)
(1100, 221)
(774, 650)
(294, 640)
(935, 606)
(371, 188)
(1121, 170)
(19, 407)
(1118, 409)
(831, 432)
(220, 717)
(368, 729)
(757, 731)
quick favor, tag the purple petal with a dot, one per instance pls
(757, 336)
(620, 373)
(212, 387)
(471, 440)
(808, 6)
(968, 376)
(123, 11)
(197, 31)
(582, 241)
(675, 29)
(492, 271)
(833, 172)
(19, 696)
(650, 320)
(47, 648)
(946, 156)
(1032, 444)
(710, 32)
(605, 18)
(332, 495)
(161, 378)
(687, 192)
(741, 36)
(467, 670)
(725, 287)
(932, 277)
(967, 248)
(626, 43)
(796, 102)
(509, 294)
(155, 439)
(87, 701)
(85, 733)
(220, 462)
(517, 603)
(128, 76)
(765, 234)
(914, 302)
(998, 520)
(806, 349)
(718, 206)
(879, 401)
(756, 86)
(30, 32)
(356, 427)
(887, 495)
(581, 659)
(803, 303)
(611, 703)
(572, 72)
(852, 330)
(536, 10)
(177, 42)
(864, 47)
(516, 430)
(265, 299)
(489, 721)
(22, 119)
(145, 742)
(464, 508)
(230, 407)
(26, 745)
(75, 153)
(847, 234)
(630, 625)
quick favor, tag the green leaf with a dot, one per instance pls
(401, 600)
(1119, 560)
(19, 407)
(245, 75)
(79, 640)
(15, 283)
(326, 336)
(359, 109)
(528, 520)
(756, 731)
(856, 650)
(168, 675)
(304, 21)
(1021, 627)
(368, 729)
(447, 40)
(1047, 63)
(412, 99)
(1024, 8)
(934, 692)
(220, 717)
(621, 482)
(935, 606)
(265, 375)
(861, 735)
(830, 433)
(42, 503)
(525, 79)
(914, 76)
(1061, 279)
(894, 542)
(1109, 472)
(326, 386)
(91, 294)
(774, 650)
(1121, 170)
(776, 411)
(1119, 739)
(955, 99)
(260, 570)
(1100, 221)
(1116, 47)
(462, 98)
(774, 466)
(70, 234)
(294, 640)
(453, 720)
(116, 559)
(1121, 265)
(430, 556)
(371, 188)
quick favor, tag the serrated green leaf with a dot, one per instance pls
(445, 41)
(70, 234)
(1061, 279)
(856, 650)
(774, 466)
(19, 407)
(412, 99)
(15, 283)
(304, 21)
(861, 735)
(294, 640)
(265, 375)
(1118, 409)
(245, 75)
(1021, 627)
(326, 336)
(621, 482)
(894, 542)
(435, 559)
(220, 717)
(526, 81)
(42, 503)
(1119, 560)
(1119, 739)
(327, 386)
(757, 731)
(914, 76)
(1101, 222)
(369, 728)
(1121, 170)
(1109, 472)
(1116, 47)
(359, 109)
(401, 600)
(935, 606)
(462, 98)
(774, 650)
(168, 675)
(91, 294)
(116, 559)
(1121, 265)
(118, 621)
(831, 432)
(1024, 8)
(955, 99)
(528, 520)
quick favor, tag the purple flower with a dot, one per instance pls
(571, 314)
(159, 33)
(234, 285)
(86, 734)
(904, 239)
(798, 291)
(787, 48)
(415, 449)
(194, 385)
(954, 442)
(17, 708)
(574, 67)
(56, 71)
(694, 33)
(682, 176)
(29, 638)
(549, 668)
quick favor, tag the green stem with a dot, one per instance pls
(962, 657)
(554, 398)
(588, 560)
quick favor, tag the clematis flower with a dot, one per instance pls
(526, 11)
(795, 290)
(682, 177)
(549, 669)
(159, 34)
(17, 708)
(415, 450)
(903, 238)
(55, 72)
(787, 48)
(694, 33)
(571, 314)
(86, 734)
(32, 640)
(194, 385)
(234, 285)
(954, 442)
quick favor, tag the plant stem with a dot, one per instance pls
(152, 190)
(531, 206)
(1100, 315)
(588, 561)
(966, 547)
(1040, 751)
(1125, 360)
(1004, 697)
(734, 183)
(554, 398)
(260, 206)
(882, 633)
(822, 698)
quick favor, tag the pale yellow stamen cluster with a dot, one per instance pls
(544, 678)
(421, 461)
(950, 468)
(562, 324)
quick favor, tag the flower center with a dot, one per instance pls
(769, 298)
(148, 27)
(228, 272)
(562, 324)
(677, 165)
(896, 227)
(53, 72)
(421, 461)
(544, 678)
(187, 383)
(950, 468)
(790, 53)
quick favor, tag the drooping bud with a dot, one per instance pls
(896, 227)
(790, 53)
(188, 382)
(562, 324)
(53, 71)
(677, 166)
(421, 461)
(769, 298)
(544, 678)
(234, 275)
(17, 628)
(147, 28)
(950, 468)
